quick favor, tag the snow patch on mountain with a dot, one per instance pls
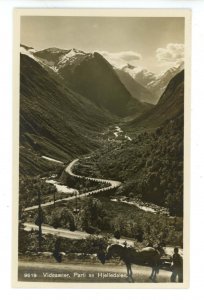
(155, 83)
(159, 84)
(69, 58)
(140, 74)
(29, 52)
(53, 58)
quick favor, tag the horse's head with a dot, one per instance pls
(111, 251)
(101, 256)
(114, 250)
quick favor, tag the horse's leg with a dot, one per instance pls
(155, 274)
(155, 271)
(151, 276)
(127, 266)
(131, 274)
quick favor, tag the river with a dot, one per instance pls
(62, 188)
(147, 207)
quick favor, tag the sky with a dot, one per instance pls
(153, 43)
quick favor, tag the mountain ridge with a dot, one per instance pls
(51, 118)
(170, 105)
(136, 89)
(155, 83)
(92, 76)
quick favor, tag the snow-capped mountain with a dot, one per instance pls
(27, 51)
(54, 58)
(159, 84)
(136, 89)
(57, 58)
(32, 53)
(141, 75)
(169, 107)
(90, 75)
(156, 84)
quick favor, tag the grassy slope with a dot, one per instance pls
(54, 120)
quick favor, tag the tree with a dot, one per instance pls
(56, 253)
(139, 234)
(63, 217)
(117, 234)
(93, 214)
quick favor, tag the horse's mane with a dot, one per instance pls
(112, 246)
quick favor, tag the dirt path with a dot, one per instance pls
(34, 271)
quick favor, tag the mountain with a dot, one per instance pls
(57, 58)
(90, 75)
(54, 120)
(170, 105)
(30, 52)
(139, 74)
(156, 84)
(136, 89)
(159, 84)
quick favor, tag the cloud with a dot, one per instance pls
(172, 54)
(120, 59)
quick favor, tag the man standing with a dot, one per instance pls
(177, 266)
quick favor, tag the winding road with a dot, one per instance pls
(46, 229)
(65, 233)
(112, 184)
(45, 271)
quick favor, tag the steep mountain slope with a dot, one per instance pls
(170, 105)
(159, 84)
(156, 84)
(54, 120)
(136, 89)
(93, 77)
(139, 74)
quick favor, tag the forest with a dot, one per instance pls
(150, 166)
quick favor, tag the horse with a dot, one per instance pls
(147, 256)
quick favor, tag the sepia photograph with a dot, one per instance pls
(101, 148)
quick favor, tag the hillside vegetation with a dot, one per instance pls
(151, 164)
(170, 105)
(51, 118)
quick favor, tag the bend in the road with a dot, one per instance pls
(112, 185)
